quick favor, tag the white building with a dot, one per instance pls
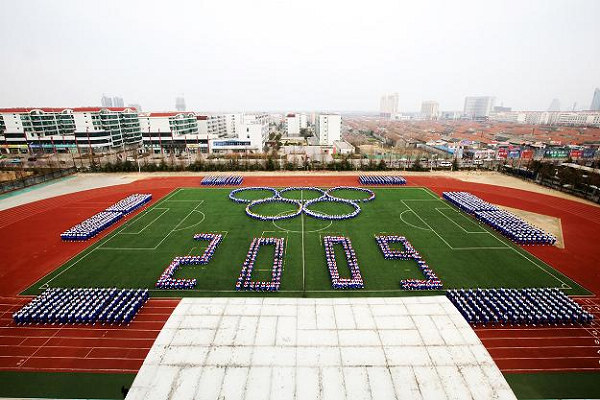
(478, 106)
(328, 128)
(294, 123)
(180, 103)
(342, 147)
(212, 124)
(430, 109)
(62, 129)
(388, 105)
(595, 106)
(232, 123)
(174, 132)
(575, 118)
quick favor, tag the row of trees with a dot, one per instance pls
(555, 175)
(270, 164)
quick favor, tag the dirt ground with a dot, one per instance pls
(89, 181)
(545, 222)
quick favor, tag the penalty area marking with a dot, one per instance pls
(99, 245)
(564, 285)
(439, 209)
(408, 223)
(151, 222)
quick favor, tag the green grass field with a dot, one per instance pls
(462, 252)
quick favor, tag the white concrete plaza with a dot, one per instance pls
(350, 348)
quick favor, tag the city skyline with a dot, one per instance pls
(257, 58)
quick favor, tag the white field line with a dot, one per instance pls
(429, 192)
(408, 223)
(151, 222)
(429, 226)
(167, 235)
(564, 284)
(99, 244)
(439, 209)
(302, 235)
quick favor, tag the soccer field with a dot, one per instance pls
(462, 252)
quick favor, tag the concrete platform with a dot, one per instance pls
(361, 348)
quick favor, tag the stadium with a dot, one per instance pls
(320, 285)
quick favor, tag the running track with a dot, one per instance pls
(30, 248)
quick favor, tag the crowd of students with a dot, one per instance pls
(214, 239)
(90, 227)
(408, 252)
(331, 217)
(508, 224)
(166, 280)
(277, 217)
(302, 205)
(531, 306)
(83, 306)
(304, 188)
(130, 203)
(515, 228)
(468, 202)
(381, 180)
(234, 192)
(355, 281)
(354, 189)
(245, 282)
(222, 180)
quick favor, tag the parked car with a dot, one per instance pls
(445, 164)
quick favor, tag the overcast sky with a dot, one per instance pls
(299, 55)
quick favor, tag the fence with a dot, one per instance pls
(17, 184)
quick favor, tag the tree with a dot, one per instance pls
(455, 165)
(381, 166)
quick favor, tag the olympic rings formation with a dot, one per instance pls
(302, 205)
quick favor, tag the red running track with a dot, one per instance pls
(31, 248)
(546, 349)
(84, 348)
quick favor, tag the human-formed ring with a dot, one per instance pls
(327, 198)
(232, 194)
(275, 199)
(307, 188)
(302, 204)
(356, 189)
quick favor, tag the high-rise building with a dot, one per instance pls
(107, 101)
(554, 105)
(595, 106)
(328, 128)
(136, 106)
(477, 107)
(118, 102)
(180, 103)
(388, 105)
(430, 109)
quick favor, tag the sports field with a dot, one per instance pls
(460, 251)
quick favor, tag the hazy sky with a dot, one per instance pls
(299, 55)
